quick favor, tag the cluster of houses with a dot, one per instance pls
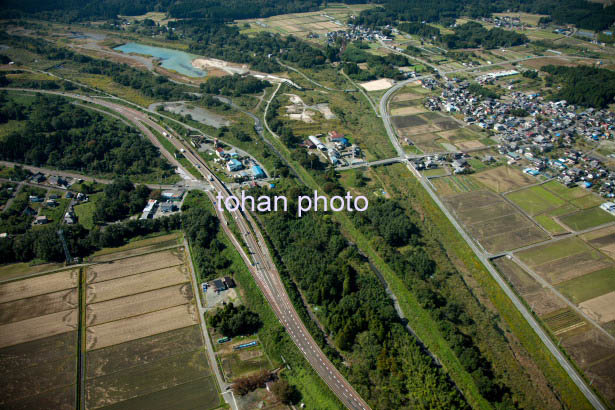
(504, 21)
(428, 83)
(238, 166)
(456, 160)
(544, 126)
(168, 203)
(51, 201)
(336, 148)
(489, 78)
(53, 180)
(355, 33)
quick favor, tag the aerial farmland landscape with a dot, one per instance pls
(388, 204)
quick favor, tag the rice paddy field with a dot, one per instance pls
(560, 209)
(582, 269)
(38, 341)
(144, 347)
(331, 18)
(493, 222)
(590, 348)
(430, 131)
(504, 179)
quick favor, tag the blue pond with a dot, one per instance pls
(176, 60)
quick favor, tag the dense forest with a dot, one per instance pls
(120, 200)
(234, 85)
(219, 40)
(468, 35)
(420, 29)
(234, 321)
(61, 135)
(582, 13)
(389, 369)
(378, 66)
(472, 34)
(582, 85)
(201, 228)
(72, 10)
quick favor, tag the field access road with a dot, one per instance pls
(483, 257)
(260, 263)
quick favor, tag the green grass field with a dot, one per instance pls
(555, 250)
(10, 127)
(587, 218)
(588, 201)
(547, 222)
(589, 286)
(564, 192)
(85, 211)
(535, 200)
(56, 214)
(434, 172)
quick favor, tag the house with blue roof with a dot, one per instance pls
(258, 172)
(234, 165)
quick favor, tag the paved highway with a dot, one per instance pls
(267, 277)
(260, 264)
(574, 375)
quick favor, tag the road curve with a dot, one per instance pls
(260, 264)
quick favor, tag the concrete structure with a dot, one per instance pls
(317, 142)
(149, 210)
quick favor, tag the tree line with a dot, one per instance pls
(392, 230)
(44, 243)
(233, 321)
(378, 66)
(472, 35)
